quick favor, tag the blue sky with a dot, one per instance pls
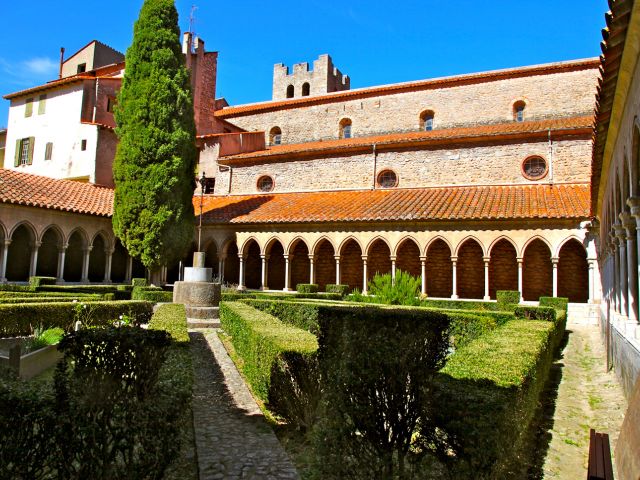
(371, 42)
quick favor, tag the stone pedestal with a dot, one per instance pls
(199, 294)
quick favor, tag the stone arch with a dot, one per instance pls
(51, 242)
(533, 239)
(211, 257)
(426, 119)
(23, 237)
(106, 238)
(290, 91)
(97, 258)
(252, 264)
(318, 242)
(77, 242)
(573, 271)
(231, 263)
(3, 231)
(439, 269)
(276, 264)
(537, 272)
(324, 263)
(299, 262)
(407, 254)
(119, 261)
(351, 266)
(378, 258)
(30, 228)
(470, 269)
(247, 243)
(435, 239)
(306, 89)
(503, 266)
(346, 241)
(464, 241)
(293, 243)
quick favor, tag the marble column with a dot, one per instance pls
(364, 275)
(312, 270)
(554, 265)
(264, 278)
(62, 251)
(486, 260)
(629, 225)
(520, 261)
(108, 258)
(592, 279)
(622, 262)
(423, 267)
(393, 269)
(129, 269)
(287, 272)
(454, 262)
(221, 261)
(33, 267)
(634, 204)
(616, 272)
(241, 285)
(3, 260)
(85, 265)
(337, 257)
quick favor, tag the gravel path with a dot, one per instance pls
(587, 397)
(233, 440)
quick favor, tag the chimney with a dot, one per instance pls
(61, 61)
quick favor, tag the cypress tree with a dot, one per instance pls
(154, 168)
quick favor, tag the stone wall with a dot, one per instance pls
(486, 164)
(552, 95)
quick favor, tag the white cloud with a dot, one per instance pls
(40, 66)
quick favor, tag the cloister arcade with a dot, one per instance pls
(450, 264)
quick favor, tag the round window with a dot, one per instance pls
(387, 179)
(534, 168)
(265, 183)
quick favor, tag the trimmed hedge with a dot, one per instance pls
(559, 303)
(21, 319)
(490, 388)
(340, 289)
(151, 294)
(536, 313)
(56, 299)
(139, 282)
(8, 287)
(279, 361)
(461, 305)
(38, 281)
(307, 288)
(508, 297)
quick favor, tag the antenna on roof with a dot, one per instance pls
(192, 19)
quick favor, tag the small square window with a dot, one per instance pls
(111, 101)
(346, 131)
(82, 68)
(42, 104)
(83, 145)
(25, 146)
(28, 107)
(48, 151)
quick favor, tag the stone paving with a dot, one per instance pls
(587, 397)
(233, 440)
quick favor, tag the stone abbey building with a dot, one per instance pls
(475, 183)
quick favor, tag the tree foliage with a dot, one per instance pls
(154, 168)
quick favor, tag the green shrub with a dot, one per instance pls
(341, 290)
(109, 297)
(405, 290)
(488, 393)
(35, 282)
(279, 360)
(7, 287)
(462, 305)
(139, 282)
(377, 368)
(21, 319)
(151, 294)
(38, 299)
(559, 303)
(508, 297)
(307, 288)
(237, 295)
(297, 314)
(536, 313)
(124, 288)
(317, 296)
(173, 319)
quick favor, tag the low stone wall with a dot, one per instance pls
(624, 351)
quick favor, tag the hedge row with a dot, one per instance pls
(461, 305)
(33, 294)
(559, 303)
(491, 388)
(151, 294)
(177, 375)
(52, 299)
(536, 313)
(279, 360)
(508, 297)
(21, 319)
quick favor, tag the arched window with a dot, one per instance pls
(306, 89)
(426, 120)
(518, 111)
(290, 91)
(345, 128)
(275, 136)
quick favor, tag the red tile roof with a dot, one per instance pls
(445, 82)
(450, 203)
(36, 191)
(481, 133)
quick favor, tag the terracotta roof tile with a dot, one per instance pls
(36, 191)
(450, 203)
(562, 126)
(444, 82)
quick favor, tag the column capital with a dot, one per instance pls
(241, 256)
(619, 232)
(63, 248)
(222, 257)
(7, 242)
(393, 257)
(454, 259)
(520, 260)
(337, 258)
(634, 204)
(87, 249)
(109, 251)
(365, 257)
(265, 257)
(37, 244)
(628, 222)
(312, 256)
(423, 259)
(486, 259)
